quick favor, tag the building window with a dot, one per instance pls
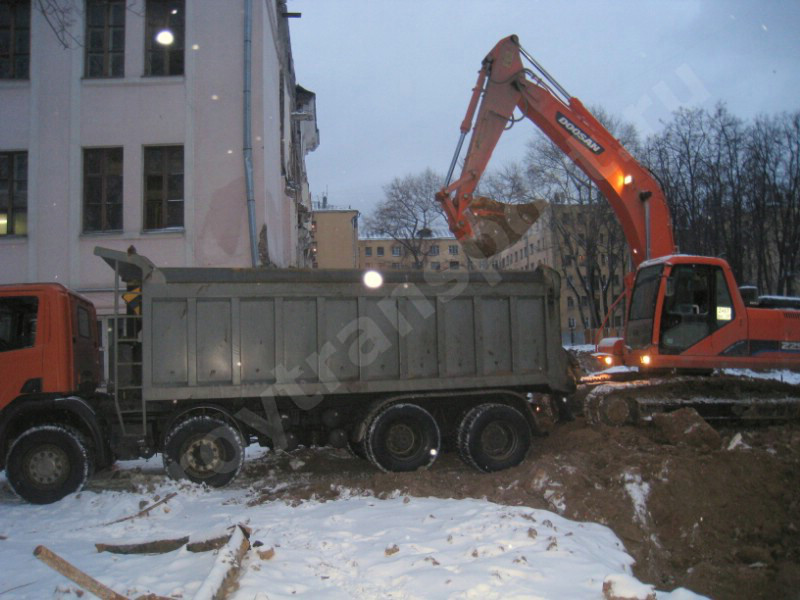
(571, 322)
(102, 189)
(368, 251)
(15, 39)
(570, 302)
(395, 265)
(453, 249)
(13, 193)
(454, 264)
(164, 37)
(434, 251)
(380, 250)
(435, 265)
(105, 38)
(163, 187)
(397, 251)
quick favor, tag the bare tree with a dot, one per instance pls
(409, 213)
(774, 165)
(733, 190)
(509, 185)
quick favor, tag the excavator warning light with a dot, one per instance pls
(608, 360)
(645, 360)
(627, 180)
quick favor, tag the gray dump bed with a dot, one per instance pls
(241, 333)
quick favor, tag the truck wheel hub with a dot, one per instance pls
(401, 440)
(498, 440)
(204, 455)
(47, 466)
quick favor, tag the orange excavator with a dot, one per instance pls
(683, 312)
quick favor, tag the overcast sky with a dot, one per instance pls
(393, 77)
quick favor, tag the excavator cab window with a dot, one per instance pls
(696, 303)
(643, 307)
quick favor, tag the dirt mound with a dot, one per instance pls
(722, 520)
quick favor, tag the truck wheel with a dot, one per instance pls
(203, 449)
(402, 437)
(48, 462)
(492, 437)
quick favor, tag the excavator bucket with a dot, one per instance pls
(497, 225)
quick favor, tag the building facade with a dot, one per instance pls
(125, 128)
(334, 237)
(440, 252)
(543, 244)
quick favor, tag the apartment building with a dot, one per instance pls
(439, 252)
(334, 237)
(543, 244)
(121, 124)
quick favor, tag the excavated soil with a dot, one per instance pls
(713, 510)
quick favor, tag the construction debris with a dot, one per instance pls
(145, 511)
(154, 547)
(55, 562)
(222, 580)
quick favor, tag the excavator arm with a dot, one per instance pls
(485, 226)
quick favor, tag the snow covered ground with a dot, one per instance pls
(354, 547)
(784, 375)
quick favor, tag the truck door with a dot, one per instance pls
(84, 346)
(697, 307)
(20, 350)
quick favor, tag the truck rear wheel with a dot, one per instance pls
(203, 449)
(402, 437)
(47, 463)
(492, 437)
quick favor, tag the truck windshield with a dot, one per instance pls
(643, 305)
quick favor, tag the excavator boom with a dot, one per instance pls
(486, 226)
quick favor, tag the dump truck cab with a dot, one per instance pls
(48, 342)
(50, 435)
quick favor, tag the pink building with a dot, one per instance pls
(126, 129)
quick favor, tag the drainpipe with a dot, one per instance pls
(247, 137)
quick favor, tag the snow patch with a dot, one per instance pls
(784, 375)
(638, 491)
(334, 549)
(737, 442)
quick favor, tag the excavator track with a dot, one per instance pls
(716, 398)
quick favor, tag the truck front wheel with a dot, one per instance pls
(402, 437)
(493, 437)
(48, 462)
(203, 449)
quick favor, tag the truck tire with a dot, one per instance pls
(48, 462)
(203, 449)
(493, 437)
(402, 437)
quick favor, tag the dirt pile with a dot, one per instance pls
(716, 511)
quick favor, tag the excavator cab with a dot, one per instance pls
(679, 305)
